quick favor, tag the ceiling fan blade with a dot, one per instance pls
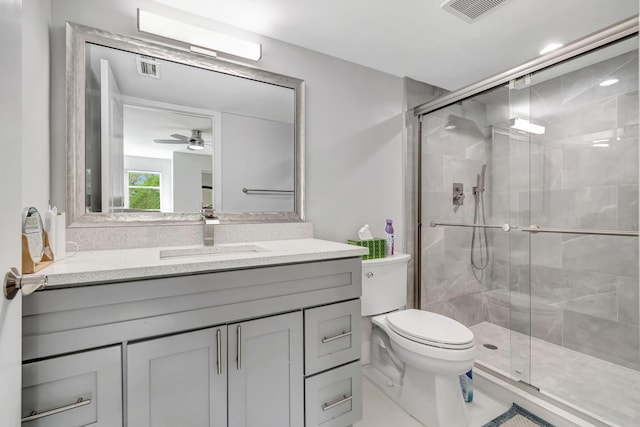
(170, 141)
(178, 136)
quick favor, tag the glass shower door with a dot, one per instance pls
(520, 137)
(581, 281)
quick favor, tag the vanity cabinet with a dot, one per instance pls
(237, 348)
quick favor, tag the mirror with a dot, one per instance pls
(33, 229)
(158, 133)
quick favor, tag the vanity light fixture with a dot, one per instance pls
(197, 36)
(548, 48)
(526, 126)
(609, 82)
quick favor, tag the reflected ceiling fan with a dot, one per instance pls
(195, 142)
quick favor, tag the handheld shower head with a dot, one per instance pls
(479, 187)
(481, 176)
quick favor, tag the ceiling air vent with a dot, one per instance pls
(148, 66)
(470, 10)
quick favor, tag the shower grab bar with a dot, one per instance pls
(538, 229)
(503, 227)
(262, 191)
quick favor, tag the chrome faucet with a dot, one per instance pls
(209, 220)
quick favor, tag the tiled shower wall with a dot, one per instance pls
(584, 288)
(449, 284)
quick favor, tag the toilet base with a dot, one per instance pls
(434, 400)
(416, 396)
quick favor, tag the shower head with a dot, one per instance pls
(450, 125)
(462, 126)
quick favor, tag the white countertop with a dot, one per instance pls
(87, 267)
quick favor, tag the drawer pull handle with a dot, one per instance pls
(239, 348)
(336, 337)
(332, 405)
(219, 351)
(35, 415)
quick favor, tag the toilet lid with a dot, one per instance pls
(430, 329)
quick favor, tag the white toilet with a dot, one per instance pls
(415, 356)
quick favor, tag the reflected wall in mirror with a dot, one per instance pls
(158, 133)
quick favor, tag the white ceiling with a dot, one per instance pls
(415, 38)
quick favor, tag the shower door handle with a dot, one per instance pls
(503, 227)
(537, 229)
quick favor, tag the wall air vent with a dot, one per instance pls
(470, 10)
(148, 66)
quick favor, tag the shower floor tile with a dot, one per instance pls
(604, 389)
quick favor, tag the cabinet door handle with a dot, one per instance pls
(239, 347)
(35, 415)
(219, 351)
(336, 337)
(331, 405)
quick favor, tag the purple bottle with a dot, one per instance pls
(389, 244)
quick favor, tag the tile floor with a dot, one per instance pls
(380, 411)
(609, 391)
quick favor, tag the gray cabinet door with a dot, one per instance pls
(179, 380)
(266, 373)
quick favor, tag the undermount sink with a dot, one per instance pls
(209, 251)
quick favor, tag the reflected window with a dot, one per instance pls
(143, 190)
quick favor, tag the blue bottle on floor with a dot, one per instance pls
(466, 383)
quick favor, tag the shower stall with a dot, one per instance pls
(528, 205)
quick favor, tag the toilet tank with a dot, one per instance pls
(384, 284)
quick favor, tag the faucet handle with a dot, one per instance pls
(208, 213)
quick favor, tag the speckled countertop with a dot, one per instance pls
(90, 267)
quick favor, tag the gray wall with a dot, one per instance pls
(353, 121)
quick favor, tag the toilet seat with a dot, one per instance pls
(430, 329)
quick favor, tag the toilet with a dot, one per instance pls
(415, 357)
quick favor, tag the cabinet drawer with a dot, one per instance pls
(76, 390)
(334, 398)
(331, 336)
